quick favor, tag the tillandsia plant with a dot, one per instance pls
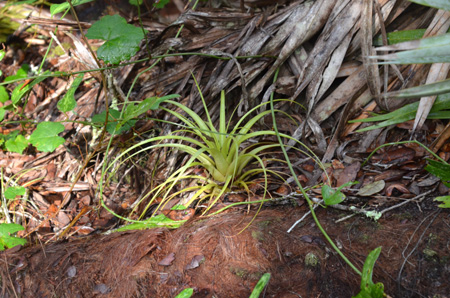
(222, 153)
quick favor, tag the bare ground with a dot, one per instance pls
(216, 258)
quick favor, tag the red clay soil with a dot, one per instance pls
(214, 258)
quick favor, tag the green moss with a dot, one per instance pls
(364, 238)
(58, 51)
(264, 224)
(311, 260)
(242, 273)
(429, 253)
(432, 238)
(258, 235)
(255, 275)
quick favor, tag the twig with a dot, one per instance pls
(301, 219)
(407, 201)
(368, 213)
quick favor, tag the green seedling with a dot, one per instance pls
(186, 293)
(333, 197)
(260, 286)
(368, 288)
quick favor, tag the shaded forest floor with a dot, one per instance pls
(219, 256)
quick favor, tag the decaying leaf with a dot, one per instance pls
(195, 262)
(371, 188)
(167, 261)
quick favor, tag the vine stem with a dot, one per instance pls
(305, 195)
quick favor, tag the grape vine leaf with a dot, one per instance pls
(17, 144)
(8, 241)
(122, 39)
(12, 192)
(68, 102)
(45, 138)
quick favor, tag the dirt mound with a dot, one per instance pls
(216, 258)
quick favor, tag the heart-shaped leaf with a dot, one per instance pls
(122, 39)
(45, 138)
